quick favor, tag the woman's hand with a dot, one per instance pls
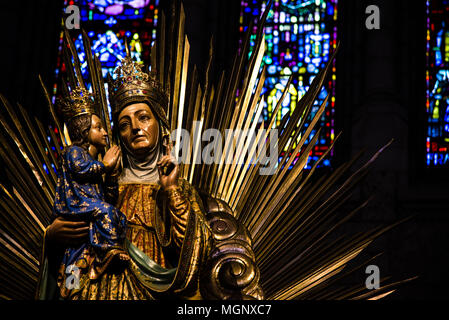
(111, 158)
(68, 233)
(168, 170)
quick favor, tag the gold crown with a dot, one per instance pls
(79, 101)
(132, 85)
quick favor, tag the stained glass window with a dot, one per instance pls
(300, 35)
(107, 23)
(437, 78)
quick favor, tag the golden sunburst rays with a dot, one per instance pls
(27, 191)
(29, 153)
(201, 106)
(286, 212)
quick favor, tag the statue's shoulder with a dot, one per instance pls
(73, 151)
(73, 148)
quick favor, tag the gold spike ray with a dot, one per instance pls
(161, 49)
(40, 151)
(23, 181)
(55, 140)
(230, 96)
(27, 257)
(239, 114)
(307, 198)
(97, 82)
(282, 203)
(301, 111)
(206, 93)
(178, 52)
(300, 163)
(90, 64)
(196, 135)
(322, 292)
(52, 111)
(71, 77)
(191, 116)
(247, 168)
(181, 98)
(276, 179)
(28, 209)
(234, 201)
(374, 295)
(76, 63)
(43, 134)
(235, 171)
(213, 123)
(318, 275)
(17, 225)
(34, 163)
(103, 101)
(324, 258)
(244, 125)
(235, 79)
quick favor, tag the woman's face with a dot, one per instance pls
(138, 129)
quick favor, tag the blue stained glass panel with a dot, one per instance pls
(300, 35)
(437, 80)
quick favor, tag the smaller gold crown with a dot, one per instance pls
(79, 101)
(132, 85)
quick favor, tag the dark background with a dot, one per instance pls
(380, 95)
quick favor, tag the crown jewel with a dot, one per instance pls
(79, 101)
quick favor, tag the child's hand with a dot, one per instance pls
(111, 158)
(117, 169)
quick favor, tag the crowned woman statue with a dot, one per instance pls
(166, 219)
(168, 237)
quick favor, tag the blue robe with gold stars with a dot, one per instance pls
(80, 197)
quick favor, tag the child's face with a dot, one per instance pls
(97, 135)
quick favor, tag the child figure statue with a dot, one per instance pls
(80, 195)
